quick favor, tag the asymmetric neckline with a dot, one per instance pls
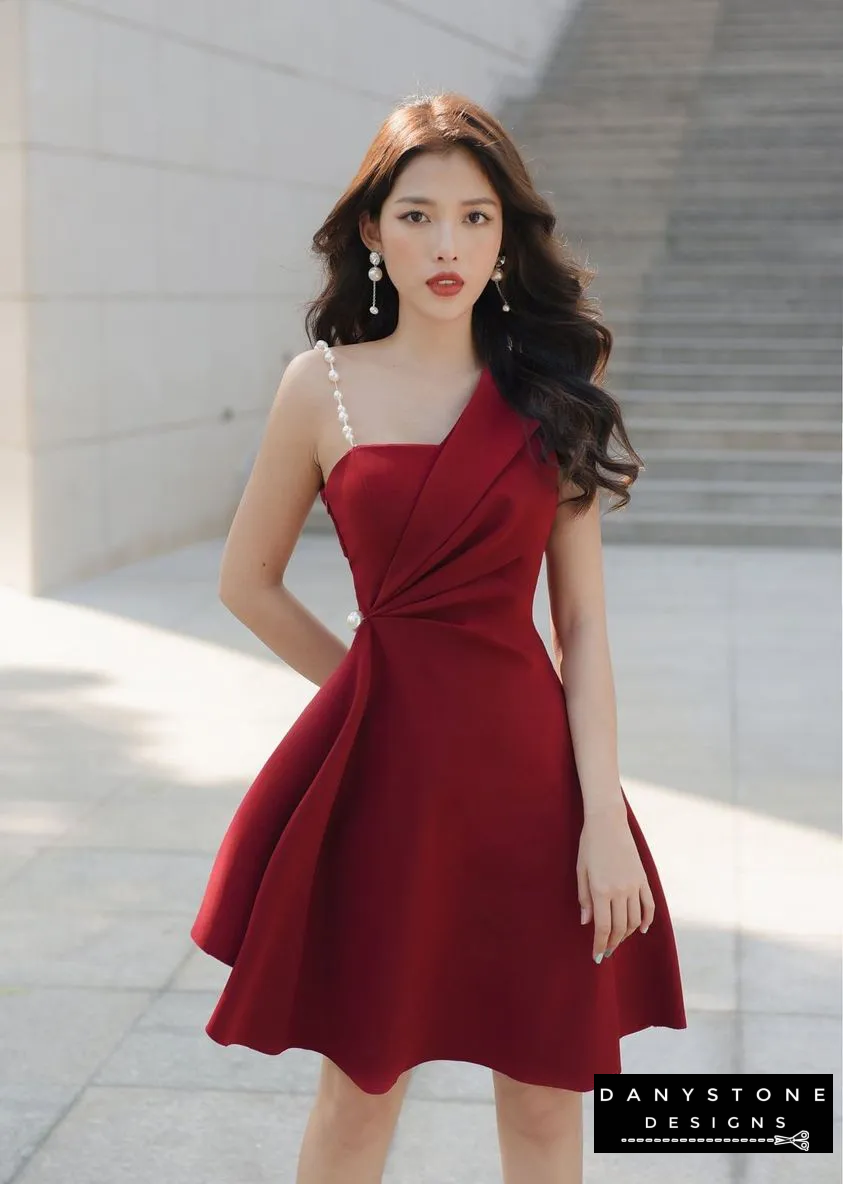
(387, 444)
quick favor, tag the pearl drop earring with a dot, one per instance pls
(375, 274)
(497, 276)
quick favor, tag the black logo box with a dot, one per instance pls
(787, 1113)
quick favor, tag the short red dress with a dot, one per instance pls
(398, 884)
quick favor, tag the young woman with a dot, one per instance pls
(438, 860)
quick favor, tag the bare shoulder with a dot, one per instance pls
(301, 383)
(306, 384)
(303, 406)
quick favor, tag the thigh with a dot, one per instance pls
(346, 1101)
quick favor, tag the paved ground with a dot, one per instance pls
(136, 710)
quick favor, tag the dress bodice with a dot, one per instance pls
(423, 524)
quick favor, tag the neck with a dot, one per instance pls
(427, 346)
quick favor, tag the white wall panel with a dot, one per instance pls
(61, 232)
(14, 406)
(127, 111)
(65, 371)
(60, 46)
(12, 225)
(11, 72)
(177, 159)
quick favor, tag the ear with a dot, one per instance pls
(369, 231)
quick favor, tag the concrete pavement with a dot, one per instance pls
(137, 710)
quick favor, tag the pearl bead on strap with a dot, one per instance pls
(355, 617)
(328, 355)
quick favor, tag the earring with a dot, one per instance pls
(375, 274)
(497, 276)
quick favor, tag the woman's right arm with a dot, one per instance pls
(279, 494)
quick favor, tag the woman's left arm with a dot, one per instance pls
(611, 881)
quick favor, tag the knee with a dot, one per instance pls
(541, 1114)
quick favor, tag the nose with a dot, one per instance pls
(446, 243)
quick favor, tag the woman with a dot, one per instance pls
(438, 860)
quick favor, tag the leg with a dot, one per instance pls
(539, 1132)
(348, 1133)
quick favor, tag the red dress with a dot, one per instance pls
(398, 885)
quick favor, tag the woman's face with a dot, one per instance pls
(442, 216)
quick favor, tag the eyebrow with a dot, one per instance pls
(472, 201)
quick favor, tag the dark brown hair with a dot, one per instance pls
(549, 352)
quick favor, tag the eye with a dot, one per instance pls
(406, 217)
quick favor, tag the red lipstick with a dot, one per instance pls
(445, 283)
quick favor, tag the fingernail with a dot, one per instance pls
(598, 958)
(582, 916)
(645, 928)
(609, 953)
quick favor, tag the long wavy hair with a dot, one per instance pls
(548, 354)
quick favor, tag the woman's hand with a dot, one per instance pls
(611, 881)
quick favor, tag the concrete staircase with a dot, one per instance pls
(692, 151)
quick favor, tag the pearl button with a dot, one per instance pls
(354, 618)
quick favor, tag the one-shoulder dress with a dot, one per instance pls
(398, 884)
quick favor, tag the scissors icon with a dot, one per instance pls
(799, 1140)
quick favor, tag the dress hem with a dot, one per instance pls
(370, 1085)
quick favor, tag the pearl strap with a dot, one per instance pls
(342, 414)
(355, 617)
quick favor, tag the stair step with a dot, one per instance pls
(731, 102)
(703, 321)
(702, 306)
(778, 344)
(629, 380)
(699, 189)
(749, 395)
(660, 299)
(720, 530)
(727, 187)
(742, 435)
(753, 356)
(725, 158)
(657, 302)
(803, 490)
(785, 377)
(618, 119)
(708, 273)
(669, 131)
(747, 228)
(760, 173)
(715, 464)
(800, 254)
(674, 262)
(739, 210)
(681, 88)
(640, 318)
(694, 331)
(769, 137)
(779, 240)
(811, 498)
(763, 410)
(792, 368)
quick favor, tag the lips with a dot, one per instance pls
(445, 284)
